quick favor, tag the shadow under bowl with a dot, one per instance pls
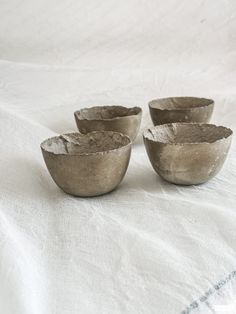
(181, 109)
(87, 165)
(109, 118)
(187, 153)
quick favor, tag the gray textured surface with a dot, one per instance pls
(87, 165)
(109, 118)
(187, 153)
(181, 109)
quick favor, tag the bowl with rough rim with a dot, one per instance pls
(187, 153)
(109, 118)
(87, 164)
(181, 109)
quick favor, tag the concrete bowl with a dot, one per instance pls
(181, 109)
(109, 118)
(187, 153)
(87, 165)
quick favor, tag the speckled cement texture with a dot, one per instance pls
(186, 153)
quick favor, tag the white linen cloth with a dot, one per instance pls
(149, 247)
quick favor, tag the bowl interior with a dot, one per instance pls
(178, 103)
(106, 112)
(175, 133)
(84, 144)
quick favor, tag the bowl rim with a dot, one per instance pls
(145, 137)
(78, 112)
(211, 102)
(84, 153)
